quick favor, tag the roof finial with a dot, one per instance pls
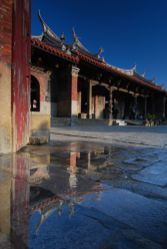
(100, 51)
(46, 29)
(134, 67)
(75, 35)
(62, 37)
(77, 44)
(39, 14)
(42, 21)
(154, 79)
(49, 36)
(103, 60)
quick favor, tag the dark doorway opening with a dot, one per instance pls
(35, 95)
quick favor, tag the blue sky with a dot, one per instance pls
(130, 31)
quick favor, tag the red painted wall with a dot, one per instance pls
(5, 30)
(5, 75)
(74, 87)
(21, 73)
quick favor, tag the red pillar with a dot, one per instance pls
(21, 72)
(74, 93)
(14, 87)
(5, 75)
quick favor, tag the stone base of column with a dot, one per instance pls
(110, 122)
(89, 116)
(74, 108)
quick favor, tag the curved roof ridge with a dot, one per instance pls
(46, 29)
(77, 43)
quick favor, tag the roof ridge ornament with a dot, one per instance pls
(74, 35)
(62, 37)
(46, 29)
(100, 51)
(77, 43)
(153, 80)
(49, 36)
(103, 59)
(134, 68)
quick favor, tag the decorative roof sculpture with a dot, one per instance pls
(77, 51)
(100, 51)
(77, 45)
(49, 36)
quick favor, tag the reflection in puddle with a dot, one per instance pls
(57, 197)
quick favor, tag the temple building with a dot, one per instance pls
(69, 83)
(55, 82)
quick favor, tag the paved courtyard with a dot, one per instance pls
(103, 188)
(135, 135)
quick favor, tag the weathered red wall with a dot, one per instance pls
(6, 30)
(14, 74)
(5, 75)
(21, 73)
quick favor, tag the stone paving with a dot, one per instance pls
(91, 194)
(136, 135)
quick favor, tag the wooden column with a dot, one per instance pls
(164, 108)
(96, 106)
(145, 106)
(79, 102)
(136, 106)
(90, 100)
(153, 104)
(110, 121)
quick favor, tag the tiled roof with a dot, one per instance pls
(106, 67)
(79, 56)
(55, 51)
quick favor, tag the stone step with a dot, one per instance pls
(57, 122)
(90, 122)
(60, 122)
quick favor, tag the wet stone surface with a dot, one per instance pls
(84, 195)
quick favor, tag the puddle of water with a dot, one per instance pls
(82, 196)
